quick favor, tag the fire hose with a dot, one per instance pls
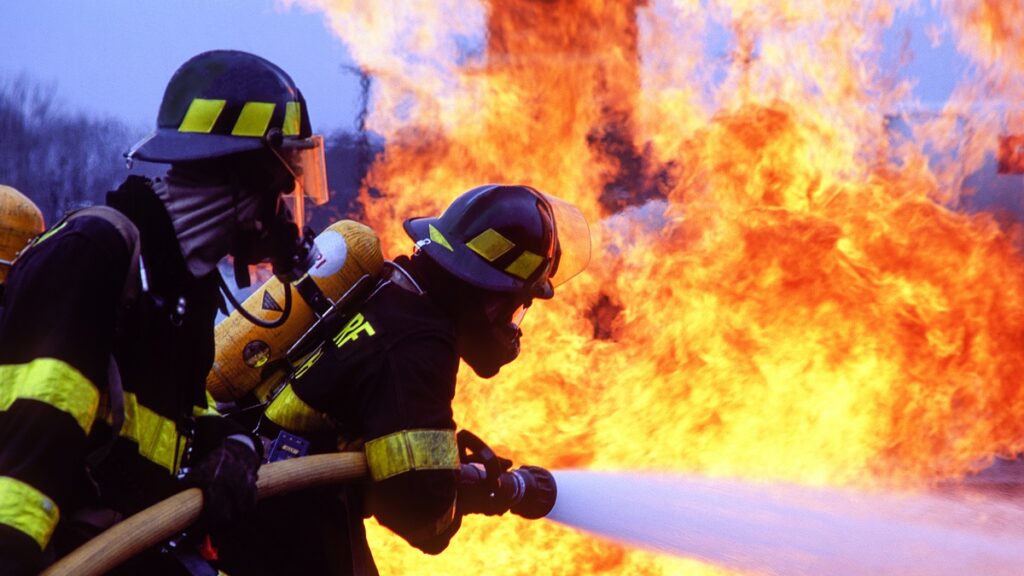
(486, 486)
(173, 515)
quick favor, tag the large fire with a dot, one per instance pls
(781, 287)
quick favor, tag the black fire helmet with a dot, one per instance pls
(506, 238)
(223, 102)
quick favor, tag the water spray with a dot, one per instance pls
(790, 530)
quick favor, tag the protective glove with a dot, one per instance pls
(227, 477)
(478, 498)
(16, 565)
(480, 490)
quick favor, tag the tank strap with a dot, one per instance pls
(130, 233)
(312, 295)
(129, 292)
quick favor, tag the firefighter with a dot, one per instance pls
(106, 335)
(385, 380)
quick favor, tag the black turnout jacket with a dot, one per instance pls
(64, 317)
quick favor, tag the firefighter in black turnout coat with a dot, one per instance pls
(385, 381)
(106, 333)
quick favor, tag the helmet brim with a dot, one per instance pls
(462, 262)
(169, 145)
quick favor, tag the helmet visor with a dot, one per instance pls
(306, 162)
(573, 252)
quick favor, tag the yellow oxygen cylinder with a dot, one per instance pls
(348, 251)
(20, 221)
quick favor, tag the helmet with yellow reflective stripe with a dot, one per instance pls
(224, 102)
(503, 238)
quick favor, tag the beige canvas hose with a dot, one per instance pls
(173, 515)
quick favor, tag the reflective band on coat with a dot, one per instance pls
(27, 510)
(48, 233)
(53, 382)
(157, 436)
(210, 410)
(409, 450)
(289, 411)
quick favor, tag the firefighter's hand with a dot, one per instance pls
(479, 497)
(19, 562)
(476, 501)
(227, 476)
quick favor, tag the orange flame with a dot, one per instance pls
(780, 289)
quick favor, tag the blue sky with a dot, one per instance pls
(114, 57)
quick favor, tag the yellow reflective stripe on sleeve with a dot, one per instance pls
(27, 510)
(289, 411)
(409, 450)
(490, 244)
(54, 382)
(157, 436)
(254, 119)
(210, 410)
(202, 115)
(525, 265)
(292, 119)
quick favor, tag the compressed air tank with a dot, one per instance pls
(348, 251)
(20, 221)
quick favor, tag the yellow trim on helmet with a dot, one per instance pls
(438, 238)
(525, 265)
(292, 119)
(490, 244)
(201, 116)
(409, 450)
(253, 119)
(28, 510)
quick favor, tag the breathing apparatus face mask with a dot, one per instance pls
(274, 237)
(491, 333)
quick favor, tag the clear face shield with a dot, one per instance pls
(568, 257)
(573, 251)
(305, 161)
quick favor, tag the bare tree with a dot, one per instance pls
(64, 160)
(61, 160)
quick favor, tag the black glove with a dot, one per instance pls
(477, 499)
(227, 476)
(480, 487)
(16, 559)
